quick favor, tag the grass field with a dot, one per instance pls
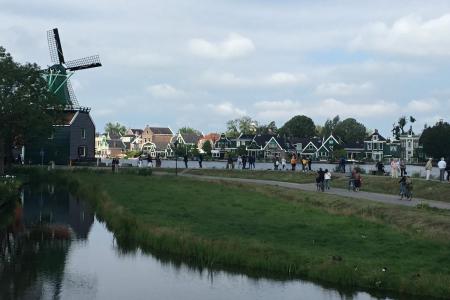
(431, 190)
(285, 232)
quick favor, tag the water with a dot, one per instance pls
(411, 169)
(53, 247)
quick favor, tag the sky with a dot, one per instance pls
(201, 63)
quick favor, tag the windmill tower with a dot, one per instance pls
(58, 75)
(73, 138)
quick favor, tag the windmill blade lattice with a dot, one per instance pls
(84, 63)
(54, 45)
(73, 98)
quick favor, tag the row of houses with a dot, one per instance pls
(159, 141)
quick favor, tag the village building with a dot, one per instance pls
(72, 140)
(109, 145)
(156, 141)
(374, 146)
(211, 137)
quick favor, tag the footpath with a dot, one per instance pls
(310, 187)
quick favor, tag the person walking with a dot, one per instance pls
(442, 165)
(293, 162)
(320, 180)
(428, 168)
(283, 163)
(304, 163)
(150, 161)
(275, 162)
(309, 163)
(185, 159)
(327, 177)
(447, 168)
(244, 161)
(200, 161)
(342, 163)
(402, 167)
(239, 161)
(394, 169)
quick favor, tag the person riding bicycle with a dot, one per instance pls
(405, 187)
(320, 180)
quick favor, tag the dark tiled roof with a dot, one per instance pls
(161, 130)
(67, 117)
(380, 137)
(262, 139)
(246, 136)
(116, 144)
(191, 138)
(161, 146)
(355, 145)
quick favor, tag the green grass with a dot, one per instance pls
(316, 236)
(431, 190)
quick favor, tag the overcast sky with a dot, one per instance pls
(201, 63)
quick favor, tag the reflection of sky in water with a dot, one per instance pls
(95, 270)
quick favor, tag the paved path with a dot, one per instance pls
(383, 198)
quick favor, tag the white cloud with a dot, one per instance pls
(408, 35)
(233, 46)
(342, 88)
(423, 106)
(228, 79)
(227, 109)
(284, 109)
(135, 59)
(283, 78)
(165, 91)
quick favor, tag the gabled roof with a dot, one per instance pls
(212, 136)
(279, 143)
(190, 138)
(331, 137)
(380, 137)
(114, 136)
(246, 136)
(116, 144)
(262, 139)
(160, 130)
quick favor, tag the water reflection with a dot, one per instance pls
(52, 247)
(35, 241)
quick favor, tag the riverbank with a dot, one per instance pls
(271, 230)
(430, 190)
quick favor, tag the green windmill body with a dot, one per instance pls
(58, 74)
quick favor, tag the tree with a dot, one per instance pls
(330, 126)
(244, 125)
(436, 140)
(189, 130)
(270, 128)
(299, 126)
(207, 147)
(116, 129)
(27, 108)
(350, 131)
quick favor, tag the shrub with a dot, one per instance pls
(145, 172)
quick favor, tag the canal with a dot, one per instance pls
(52, 246)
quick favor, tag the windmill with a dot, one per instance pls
(59, 73)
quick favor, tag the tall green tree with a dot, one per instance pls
(270, 128)
(330, 126)
(207, 147)
(189, 130)
(350, 131)
(245, 125)
(299, 126)
(115, 128)
(27, 109)
(436, 140)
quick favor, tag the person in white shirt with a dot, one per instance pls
(283, 163)
(394, 168)
(429, 167)
(327, 177)
(442, 165)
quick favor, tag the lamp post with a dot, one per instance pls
(175, 144)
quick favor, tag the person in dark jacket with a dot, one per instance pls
(185, 159)
(200, 160)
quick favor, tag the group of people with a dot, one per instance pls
(323, 180)
(444, 167)
(244, 162)
(304, 161)
(397, 167)
(147, 161)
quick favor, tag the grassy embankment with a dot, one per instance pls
(279, 232)
(431, 190)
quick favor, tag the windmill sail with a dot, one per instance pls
(73, 99)
(54, 45)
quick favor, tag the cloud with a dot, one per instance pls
(233, 46)
(135, 59)
(342, 88)
(227, 109)
(423, 106)
(283, 78)
(165, 91)
(284, 109)
(408, 35)
(228, 79)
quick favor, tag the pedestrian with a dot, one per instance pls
(447, 168)
(200, 161)
(244, 161)
(358, 180)
(239, 161)
(428, 168)
(327, 177)
(140, 161)
(402, 167)
(320, 180)
(283, 163)
(275, 162)
(113, 165)
(230, 164)
(394, 173)
(402, 186)
(343, 164)
(150, 161)
(304, 164)
(185, 159)
(309, 163)
(253, 162)
(293, 162)
(442, 165)
(250, 162)
(158, 161)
